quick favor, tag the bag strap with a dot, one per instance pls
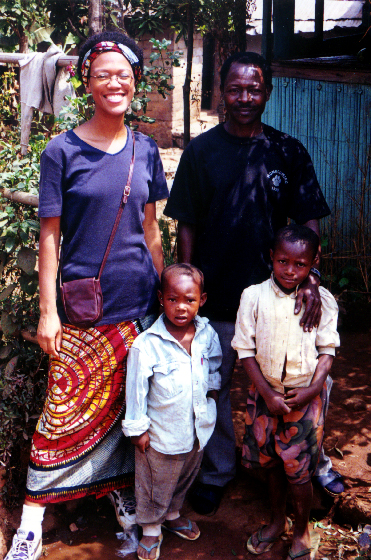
(124, 200)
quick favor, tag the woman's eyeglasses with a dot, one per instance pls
(105, 78)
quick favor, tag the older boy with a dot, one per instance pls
(288, 368)
(172, 384)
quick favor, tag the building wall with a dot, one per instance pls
(332, 121)
(169, 112)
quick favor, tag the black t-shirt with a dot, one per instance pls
(238, 192)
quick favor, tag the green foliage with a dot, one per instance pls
(155, 78)
(22, 379)
(22, 18)
(22, 391)
(9, 101)
(81, 109)
(68, 17)
(218, 17)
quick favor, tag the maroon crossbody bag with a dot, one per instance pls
(82, 299)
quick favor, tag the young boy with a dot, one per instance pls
(171, 389)
(288, 369)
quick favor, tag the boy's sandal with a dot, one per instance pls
(301, 553)
(270, 540)
(177, 531)
(150, 548)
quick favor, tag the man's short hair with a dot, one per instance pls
(295, 233)
(249, 59)
(183, 269)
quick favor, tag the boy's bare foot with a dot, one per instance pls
(263, 539)
(183, 527)
(152, 550)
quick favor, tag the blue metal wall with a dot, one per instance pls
(332, 120)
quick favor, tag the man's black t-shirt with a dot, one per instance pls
(238, 192)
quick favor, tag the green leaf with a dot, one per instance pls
(5, 351)
(28, 284)
(26, 260)
(9, 244)
(33, 224)
(7, 291)
(343, 282)
(8, 326)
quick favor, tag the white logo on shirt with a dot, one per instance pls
(276, 178)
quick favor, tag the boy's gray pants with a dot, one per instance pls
(219, 462)
(161, 482)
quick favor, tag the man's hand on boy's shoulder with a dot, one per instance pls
(308, 294)
(141, 442)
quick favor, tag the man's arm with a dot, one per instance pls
(186, 242)
(309, 292)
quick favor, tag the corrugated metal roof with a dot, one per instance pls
(337, 13)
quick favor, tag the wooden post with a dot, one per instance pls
(318, 20)
(188, 78)
(267, 30)
(240, 17)
(283, 28)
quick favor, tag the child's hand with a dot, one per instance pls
(141, 442)
(300, 396)
(214, 394)
(276, 403)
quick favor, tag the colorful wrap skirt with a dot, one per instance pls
(293, 440)
(79, 447)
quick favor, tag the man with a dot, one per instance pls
(235, 186)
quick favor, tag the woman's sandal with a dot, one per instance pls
(301, 553)
(270, 540)
(149, 548)
(176, 531)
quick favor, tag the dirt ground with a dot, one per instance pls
(86, 529)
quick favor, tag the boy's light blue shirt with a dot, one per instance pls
(166, 387)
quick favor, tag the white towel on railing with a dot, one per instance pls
(40, 87)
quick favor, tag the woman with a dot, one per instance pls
(78, 448)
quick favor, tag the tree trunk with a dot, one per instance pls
(240, 16)
(95, 16)
(188, 78)
(23, 41)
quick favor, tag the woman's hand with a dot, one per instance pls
(141, 442)
(49, 333)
